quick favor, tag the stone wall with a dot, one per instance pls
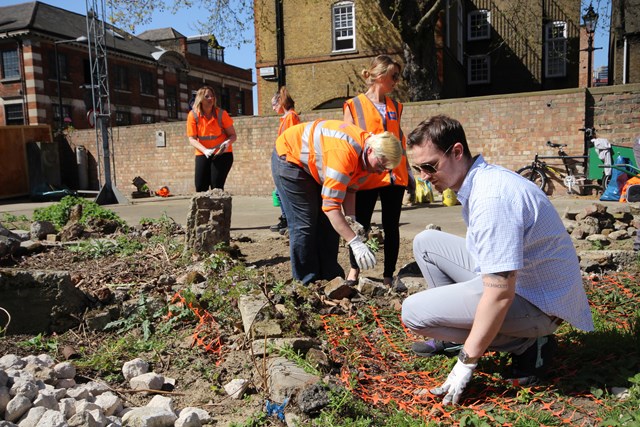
(507, 129)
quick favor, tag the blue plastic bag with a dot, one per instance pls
(618, 179)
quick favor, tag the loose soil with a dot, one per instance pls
(151, 272)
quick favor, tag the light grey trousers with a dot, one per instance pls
(445, 311)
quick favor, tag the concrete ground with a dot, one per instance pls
(253, 214)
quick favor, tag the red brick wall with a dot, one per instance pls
(507, 129)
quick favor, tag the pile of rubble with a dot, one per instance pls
(604, 233)
(35, 391)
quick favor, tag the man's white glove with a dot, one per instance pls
(222, 148)
(457, 380)
(208, 152)
(363, 255)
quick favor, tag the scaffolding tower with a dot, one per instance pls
(96, 33)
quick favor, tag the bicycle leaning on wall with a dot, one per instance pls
(572, 172)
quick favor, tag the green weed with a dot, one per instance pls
(58, 213)
(98, 248)
(40, 343)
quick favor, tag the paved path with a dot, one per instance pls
(256, 214)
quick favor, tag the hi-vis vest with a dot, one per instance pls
(331, 152)
(288, 119)
(366, 116)
(212, 140)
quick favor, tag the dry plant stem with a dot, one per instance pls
(5, 327)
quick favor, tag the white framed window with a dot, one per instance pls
(13, 114)
(479, 25)
(344, 26)
(478, 69)
(555, 49)
(9, 64)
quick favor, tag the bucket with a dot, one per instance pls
(449, 197)
(276, 199)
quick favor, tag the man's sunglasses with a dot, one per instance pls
(428, 167)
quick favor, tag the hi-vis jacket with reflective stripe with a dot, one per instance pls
(331, 152)
(210, 132)
(290, 118)
(366, 116)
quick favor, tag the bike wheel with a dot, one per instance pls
(605, 182)
(534, 175)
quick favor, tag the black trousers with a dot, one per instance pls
(212, 172)
(391, 201)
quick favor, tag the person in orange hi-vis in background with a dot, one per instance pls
(282, 103)
(211, 133)
(317, 167)
(375, 112)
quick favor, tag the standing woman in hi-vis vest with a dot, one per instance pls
(375, 112)
(211, 132)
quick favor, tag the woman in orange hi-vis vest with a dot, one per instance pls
(282, 103)
(211, 132)
(375, 112)
(317, 167)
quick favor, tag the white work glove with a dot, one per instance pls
(208, 152)
(222, 148)
(363, 255)
(457, 380)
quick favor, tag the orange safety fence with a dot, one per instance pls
(373, 347)
(207, 331)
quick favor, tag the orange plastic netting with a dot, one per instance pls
(378, 366)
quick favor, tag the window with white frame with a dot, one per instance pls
(478, 69)
(555, 44)
(478, 25)
(344, 26)
(14, 114)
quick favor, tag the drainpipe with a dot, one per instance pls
(23, 84)
(282, 78)
(624, 60)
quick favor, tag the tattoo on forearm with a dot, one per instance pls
(495, 285)
(497, 280)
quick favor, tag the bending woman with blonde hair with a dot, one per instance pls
(317, 167)
(375, 112)
(211, 133)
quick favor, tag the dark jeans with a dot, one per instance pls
(313, 243)
(212, 172)
(391, 201)
(636, 154)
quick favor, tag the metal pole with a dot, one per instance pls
(589, 59)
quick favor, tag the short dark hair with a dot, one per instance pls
(443, 131)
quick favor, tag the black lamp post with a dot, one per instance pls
(80, 39)
(590, 20)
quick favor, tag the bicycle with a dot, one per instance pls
(540, 172)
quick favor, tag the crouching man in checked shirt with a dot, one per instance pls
(507, 286)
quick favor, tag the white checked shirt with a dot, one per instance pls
(512, 225)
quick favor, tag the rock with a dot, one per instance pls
(64, 370)
(149, 416)
(313, 399)
(188, 420)
(17, 407)
(149, 381)
(134, 367)
(236, 388)
(286, 379)
(40, 230)
(337, 289)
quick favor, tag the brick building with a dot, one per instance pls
(484, 47)
(147, 83)
(624, 42)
